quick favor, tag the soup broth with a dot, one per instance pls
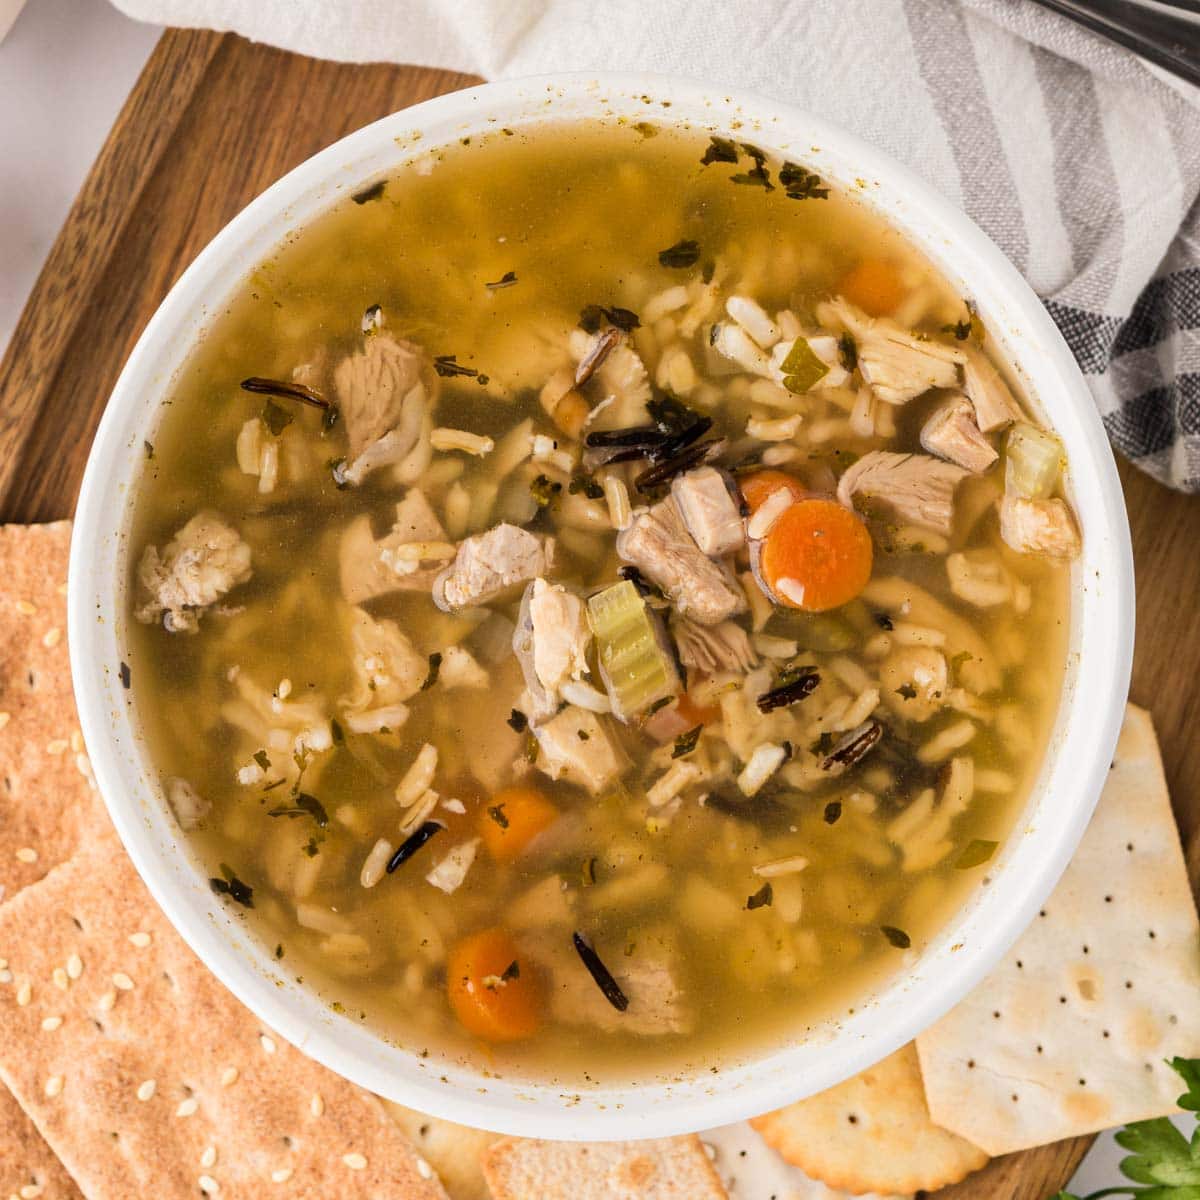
(626, 538)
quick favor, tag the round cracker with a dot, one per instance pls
(872, 1134)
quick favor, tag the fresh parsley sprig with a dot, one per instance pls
(1162, 1164)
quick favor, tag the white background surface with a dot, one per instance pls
(65, 70)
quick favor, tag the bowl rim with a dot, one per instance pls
(1090, 710)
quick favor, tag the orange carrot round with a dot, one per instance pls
(512, 819)
(756, 487)
(493, 992)
(816, 556)
(874, 286)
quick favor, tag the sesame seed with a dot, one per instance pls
(208, 1185)
(6, 976)
(54, 1086)
(121, 980)
(229, 1076)
(74, 966)
(26, 608)
(60, 979)
(282, 1175)
(140, 940)
(146, 1089)
(50, 1024)
(106, 1001)
(316, 1105)
(285, 689)
(5, 717)
(76, 740)
(56, 747)
(61, 589)
(187, 1107)
(52, 638)
(27, 854)
(355, 1161)
(31, 1191)
(25, 993)
(3, 963)
(424, 1169)
(268, 1044)
(209, 1157)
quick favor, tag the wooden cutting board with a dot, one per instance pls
(214, 120)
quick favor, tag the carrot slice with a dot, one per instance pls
(493, 992)
(756, 487)
(816, 556)
(875, 286)
(515, 816)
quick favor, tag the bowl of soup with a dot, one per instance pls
(600, 607)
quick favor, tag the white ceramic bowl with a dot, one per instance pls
(1032, 859)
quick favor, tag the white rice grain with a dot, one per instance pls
(775, 647)
(780, 455)
(450, 871)
(418, 778)
(668, 301)
(762, 764)
(616, 494)
(781, 429)
(750, 316)
(781, 866)
(771, 509)
(445, 439)
(943, 744)
(583, 695)
(374, 720)
(671, 782)
(375, 864)
(456, 511)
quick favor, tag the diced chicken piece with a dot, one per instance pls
(189, 807)
(387, 667)
(385, 393)
(622, 375)
(913, 682)
(951, 433)
(370, 567)
(917, 488)
(577, 746)
(657, 542)
(199, 565)
(648, 977)
(708, 649)
(550, 642)
(490, 564)
(712, 516)
(1039, 527)
(461, 670)
(995, 405)
(898, 365)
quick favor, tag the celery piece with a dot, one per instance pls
(802, 369)
(635, 662)
(1033, 460)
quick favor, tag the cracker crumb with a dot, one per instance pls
(54, 1086)
(140, 939)
(27, 854)
(122, 981)
(316, 1105)
(281, 1175)
(187, 1107)
(355, 1161)
(50, 1024)
(105, 1003)
(268, 1044)
(61, 980)
(209, 1157)
(74, 966)
(52, 638)
(146, 1090)
(229, 1076)
(24, 993)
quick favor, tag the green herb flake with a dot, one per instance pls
(762, 898)
(304, 806)
(275, 417)
(279, 950)
(757, 175)
(496, 812)
(976, 852)
(625, 319)
(646, 129)
(587, 872)
(435, 666)
(517, 721)
(799, 183)
(685, 743)
(591, 317)
(681, 255)
(544, 490)
(337, 733)
(371, 193)
(149, 449)
(583, 735)
(719, 150)
(848, 351)
(230, 885)
(512, 971)
(531, 746)
(802, 369)
(312, 847)
(263, 759)
(897, 937)
(506, 280)
(833, 812)
(585, 485)
(907, 691)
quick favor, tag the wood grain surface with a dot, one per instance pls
(214, 120)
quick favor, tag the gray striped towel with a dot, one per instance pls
(1078, 159)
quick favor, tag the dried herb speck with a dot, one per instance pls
(518, 722)
(719, 150)
(231, 886)
(496, 812)
(370, 193)
(435, 666)
(685, 743)
(683, 254)
(897, 937)
(126, 675)
(762, 898)
(833, 811)
(505, 280)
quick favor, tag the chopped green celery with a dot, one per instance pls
(1033, 460)
(635, 664)
(802, 369)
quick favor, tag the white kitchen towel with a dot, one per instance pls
(1078, 159)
